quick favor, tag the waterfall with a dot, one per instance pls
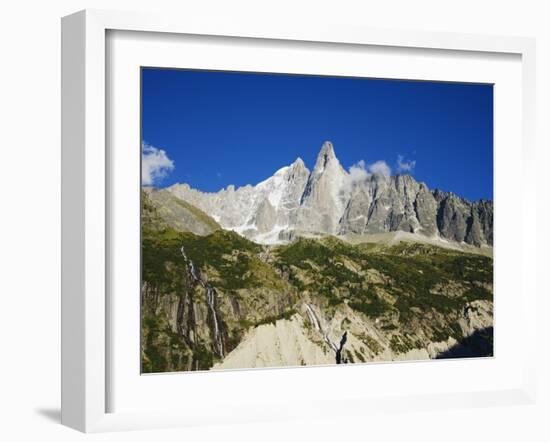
(211, 298)
(313, 317)
(317, 325)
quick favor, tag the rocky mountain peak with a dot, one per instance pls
(326, 156)
(298, 163)
(298, 168)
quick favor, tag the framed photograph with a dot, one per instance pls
(275, 222)
(317, 262)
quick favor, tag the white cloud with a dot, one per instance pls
(404, 165)
(379, 167)
(358, 172)
(155, 164)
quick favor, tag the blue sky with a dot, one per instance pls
(212, 129)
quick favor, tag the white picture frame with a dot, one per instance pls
(85, 200)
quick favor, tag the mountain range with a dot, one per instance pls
(313, 267)
(328, 200)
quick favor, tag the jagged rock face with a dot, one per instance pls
(393, 205)
(386, 204)
(462, 221)
(426, 211)
(356, 214)
(321, 204)
(328, 201)
(265, 217)
(483, 210)
(229, 207)
(287, 192)
(268, 207)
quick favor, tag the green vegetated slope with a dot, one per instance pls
(417, 289)
(179, 214)
(202, 295)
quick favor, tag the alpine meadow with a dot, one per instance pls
(291, 220)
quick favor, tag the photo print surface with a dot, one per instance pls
(300, 220)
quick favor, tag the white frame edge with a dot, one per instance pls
(83, 222)
(84, 382)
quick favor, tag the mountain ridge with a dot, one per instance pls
(329, 200)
